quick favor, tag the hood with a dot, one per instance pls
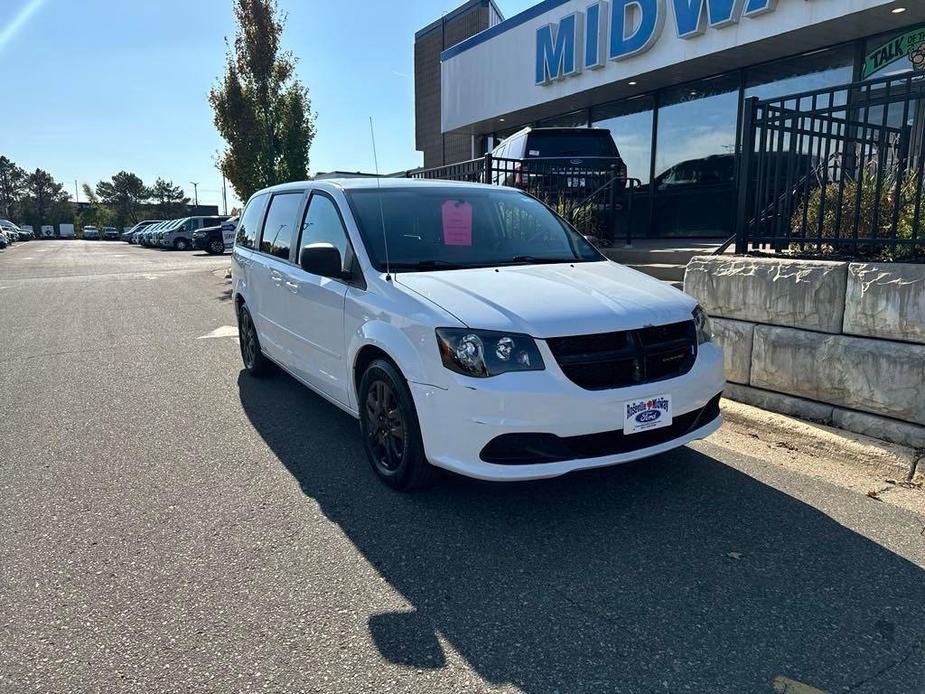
(552, 300)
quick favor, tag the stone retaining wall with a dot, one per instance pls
(842, 343)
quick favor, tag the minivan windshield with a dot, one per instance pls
(446, 228)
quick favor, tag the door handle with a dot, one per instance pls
(293, 287)
(276, 277)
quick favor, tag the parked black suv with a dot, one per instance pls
(215, 240)
(545, 152)
(568, 169)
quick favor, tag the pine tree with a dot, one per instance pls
(123, 193)
(169, 200)
(46, 201)
(12, 188)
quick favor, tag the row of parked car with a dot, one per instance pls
(11, 233)
(212, 234)
(91, 233)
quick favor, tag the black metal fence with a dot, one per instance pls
(591, 193)
(836, 172)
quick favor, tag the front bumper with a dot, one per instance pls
(459, 422)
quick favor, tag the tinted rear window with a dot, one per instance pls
(250, 222)
(570, 144)
(279, 227)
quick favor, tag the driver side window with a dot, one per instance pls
(323, 224)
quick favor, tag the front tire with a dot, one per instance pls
(390, 429)
(216, 247)
(180, 245)
(255, 363)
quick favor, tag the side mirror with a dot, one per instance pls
(322, 259)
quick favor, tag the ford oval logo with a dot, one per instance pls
(648, 416)
(577, 162)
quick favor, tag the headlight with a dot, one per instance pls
(484, 353)
(702, 323)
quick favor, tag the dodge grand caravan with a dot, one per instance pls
(468, 327)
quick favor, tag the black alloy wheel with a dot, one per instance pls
(254, 362)
(390, 429)
(385, 426)
(216, 247)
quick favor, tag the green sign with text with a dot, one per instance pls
(910, 45)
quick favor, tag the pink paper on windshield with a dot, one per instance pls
(457, 223)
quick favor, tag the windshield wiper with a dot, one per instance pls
(427, 265)
(532, 260)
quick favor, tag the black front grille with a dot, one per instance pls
(627, 358)
(535, 448)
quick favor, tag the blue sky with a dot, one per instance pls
(92, 87)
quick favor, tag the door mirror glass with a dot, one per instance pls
(322, 259)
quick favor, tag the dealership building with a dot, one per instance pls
(669, 78)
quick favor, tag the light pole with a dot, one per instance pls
(224, 196)
(195, 194)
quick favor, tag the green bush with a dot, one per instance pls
(587, 218)
(827, 219)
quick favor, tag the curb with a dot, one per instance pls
(845, 446)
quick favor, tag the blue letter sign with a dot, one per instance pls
(595, 35)
(648, 26)
(556, 49)
(691, 17)
(579, 41)
(753, 8)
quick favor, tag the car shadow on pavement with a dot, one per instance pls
(676, 573)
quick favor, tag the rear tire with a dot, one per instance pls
(255, 363)
(391, 431)
(180, 245)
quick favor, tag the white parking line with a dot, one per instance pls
(224, 331)
(785, 685)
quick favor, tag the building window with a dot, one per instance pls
(630, 123)
(504, 134)
(819, 70)
(575, 119)
(895, 53)
(695, 159)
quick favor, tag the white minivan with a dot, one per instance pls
(468, 327)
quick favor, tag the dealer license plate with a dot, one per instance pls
(646, 415)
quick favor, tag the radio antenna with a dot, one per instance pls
(385, 236)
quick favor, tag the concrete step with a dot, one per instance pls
(641, 254)
(638, 256)
(661, 271)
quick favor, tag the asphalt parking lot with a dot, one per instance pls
(169, 524)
